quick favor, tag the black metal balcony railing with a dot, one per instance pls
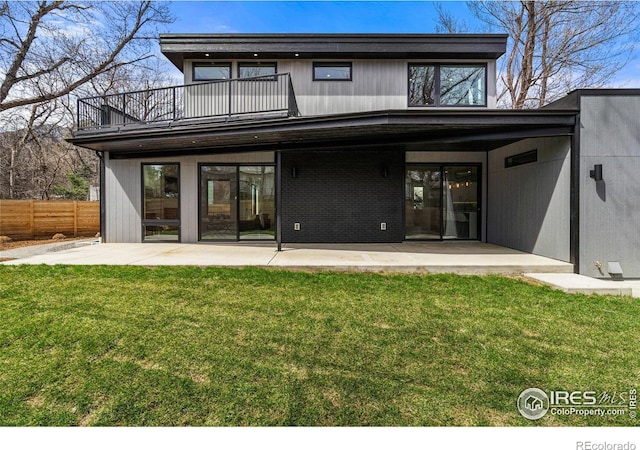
(223, 98)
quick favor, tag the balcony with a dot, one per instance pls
(223, 100)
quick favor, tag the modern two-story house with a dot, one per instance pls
(360, 139)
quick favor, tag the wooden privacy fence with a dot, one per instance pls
(30, 219)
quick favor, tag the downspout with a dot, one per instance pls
(279, 199)
(484, 231)
(100, 155)
(574, 197)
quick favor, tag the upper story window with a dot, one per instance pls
(256, 69)
(332, 71)
(422, 85)
(447, 85)
(207, 71)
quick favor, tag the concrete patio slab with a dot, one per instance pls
(427, 257)
(32, 250)
(573, 283)
(422, 257)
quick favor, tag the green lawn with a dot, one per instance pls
(192, 346)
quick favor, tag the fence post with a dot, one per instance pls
(32, 228)
(75, 218)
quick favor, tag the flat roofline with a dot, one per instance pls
(330, 35)
(178, 47)
(572, 99)
(607, 92)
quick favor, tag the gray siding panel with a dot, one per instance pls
(529, 205)
(610, 209)
(377, 84)
(123, 184)
(123, 201)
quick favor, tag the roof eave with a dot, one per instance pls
(376, 127)
(177, 47)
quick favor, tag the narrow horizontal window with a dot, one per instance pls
(329, 71)
(521, 158)
(209, 71)
(256, 69)
(155, 233)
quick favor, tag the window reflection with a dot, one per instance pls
(447, 85)
(422, 85)
(237, 202)
(462, 85)
(161, 203)
(203, 71)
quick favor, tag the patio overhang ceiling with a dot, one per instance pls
(470, 130)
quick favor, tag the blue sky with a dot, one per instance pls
(333, 17)
(307, 17)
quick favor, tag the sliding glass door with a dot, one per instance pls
(161, 202)
(460, 202)
(218, 203)
(236, 202)
(257, 202)
(441, 201)
(423, 202)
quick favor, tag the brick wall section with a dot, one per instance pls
(342, 196)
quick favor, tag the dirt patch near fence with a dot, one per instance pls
(19, 244)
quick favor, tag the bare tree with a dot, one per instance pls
(554, 46)
(49, 52)
(34, 158)
(448, 22)
(50, 48)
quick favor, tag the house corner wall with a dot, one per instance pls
(123, 201)
(610, 209)
(529, 205)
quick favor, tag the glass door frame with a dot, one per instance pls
(236, 200)
(441, 167)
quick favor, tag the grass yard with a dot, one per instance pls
(192, 346)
